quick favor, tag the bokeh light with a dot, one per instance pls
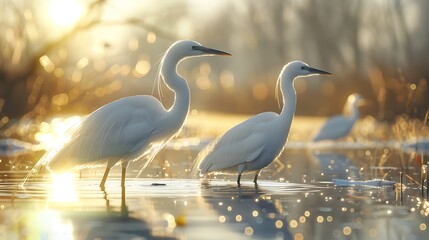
(62, 188)
(65, 13)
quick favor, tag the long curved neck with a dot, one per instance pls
(354, 111)
(178, 85)
(289, 98)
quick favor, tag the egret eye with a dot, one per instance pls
(302, 68)
(194, 47)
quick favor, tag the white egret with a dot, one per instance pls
(132, 127)
(340, 125)
(253, 144)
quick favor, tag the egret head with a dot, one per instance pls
(294, 70)
(178, 51)
(187, 48)
(356, 98)
(297, 69)
(354, 101)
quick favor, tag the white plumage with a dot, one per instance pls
(129, 128)
(340, 125)
(256, 142)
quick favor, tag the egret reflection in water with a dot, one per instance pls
(113, 222)
(248, 210)
(130, 128)
(335, 165)
(255, 143)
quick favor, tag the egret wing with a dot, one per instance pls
(228, 156)
(242, 143)
(335, 127)
(112, 131)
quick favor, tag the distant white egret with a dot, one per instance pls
(256, 142)
(340, 125)
(132, 127)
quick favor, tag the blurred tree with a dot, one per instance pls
(351, 39)
(374, 48)
(38, 74)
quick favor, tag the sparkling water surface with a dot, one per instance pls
(295, 197)
(307, 206)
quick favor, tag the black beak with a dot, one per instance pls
(316, 71)
(210, 51)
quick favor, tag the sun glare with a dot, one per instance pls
(45, 224)
(62, 188)
(55, 133)
(65, 13)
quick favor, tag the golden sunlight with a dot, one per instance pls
(54, 133)
(65, 13)
(62, 188)
(45, 224)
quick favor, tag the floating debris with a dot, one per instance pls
(158, 184)
(369, 183)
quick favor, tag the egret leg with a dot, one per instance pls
(105, 196)
(124, 207)
(124, 170)
(106, 173)
(255, 180)
(240, 170)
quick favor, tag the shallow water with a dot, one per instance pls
(295, 199)
(190, 209)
